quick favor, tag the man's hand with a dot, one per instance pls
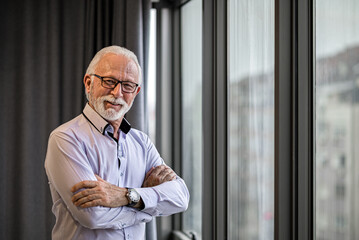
(158, 175)
(98, 193)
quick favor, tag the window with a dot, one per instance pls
(258, 165)
(337, 119)
(191, 100)
(151, 89)
(251, 119)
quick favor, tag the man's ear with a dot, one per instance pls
(87, 82)
(138, 90)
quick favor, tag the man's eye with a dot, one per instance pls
(110, 82)
(127, 85)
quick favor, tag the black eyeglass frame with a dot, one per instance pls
(117, 82)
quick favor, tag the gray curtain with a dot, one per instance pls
(45, 47)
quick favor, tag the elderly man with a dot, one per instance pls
(107, 179)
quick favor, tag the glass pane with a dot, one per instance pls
(337, 125)
(151, 84)
(191, 63)
(251, 119)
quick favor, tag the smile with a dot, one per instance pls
(113, 104)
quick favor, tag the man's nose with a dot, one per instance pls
(117, 91)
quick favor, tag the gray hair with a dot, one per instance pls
(118, 51)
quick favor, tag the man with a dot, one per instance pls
(106, 179)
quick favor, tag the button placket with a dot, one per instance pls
(122, 158)
(120, 154)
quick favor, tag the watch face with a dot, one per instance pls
(134, 195)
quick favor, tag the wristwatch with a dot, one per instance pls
(133, 197)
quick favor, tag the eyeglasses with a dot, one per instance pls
(111, 83)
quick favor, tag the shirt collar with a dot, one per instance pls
(101, 124)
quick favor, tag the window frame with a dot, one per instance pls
(215, 112)
(294, 120)
(294, 123)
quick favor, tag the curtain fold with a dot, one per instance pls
(44, 52)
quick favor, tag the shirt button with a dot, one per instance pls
(121, 174)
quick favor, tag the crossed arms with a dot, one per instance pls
(98, 204)
(102, 193)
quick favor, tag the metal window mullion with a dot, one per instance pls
(305, 120)
(294, 184)
(177, 101)
(158, 79)
(283, 220)
(221, 115)
(214, 115)
(208, 116)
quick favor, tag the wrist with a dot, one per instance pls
(140, 205)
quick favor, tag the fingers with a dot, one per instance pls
(83, 184)
(158, 169)
(167, 174)
(99, 178)
(166, 171)
(86, 200)
(88, 196)
(159, 175)
(162, 170)
(149, 172)
(83, 194)
(169, 177)
(93, 203)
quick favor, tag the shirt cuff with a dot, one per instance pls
(139, 216)
(150, 200)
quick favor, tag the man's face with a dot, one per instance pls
(112, 104)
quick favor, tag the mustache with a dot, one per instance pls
(113, 100)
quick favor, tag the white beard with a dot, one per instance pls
(109, 114)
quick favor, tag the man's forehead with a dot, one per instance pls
(110, 62)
